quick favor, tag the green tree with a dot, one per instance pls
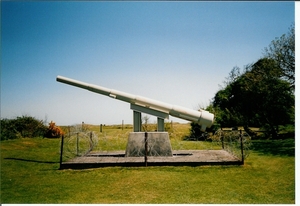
(263, 94)
(282, 50)
(226, 115)
(257, 97)
(195, 131)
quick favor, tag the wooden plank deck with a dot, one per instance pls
(180, 158)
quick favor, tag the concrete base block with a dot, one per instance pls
(158, 144)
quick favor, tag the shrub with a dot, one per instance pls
(8, 130)
(22, 127)
(53, 131)
(30, 127)
(196, 133)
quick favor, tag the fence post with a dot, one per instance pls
(91, 141)
(61, 151)
(77, 142)
(222, 138)
(146, 147)
(242, 146)
(69, 130)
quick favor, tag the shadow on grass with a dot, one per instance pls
(275, 147)
(26, 160)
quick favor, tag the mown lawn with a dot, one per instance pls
(30, 174)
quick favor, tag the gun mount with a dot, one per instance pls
(146, 105)
(159, 140)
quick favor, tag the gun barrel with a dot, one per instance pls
(203, 118)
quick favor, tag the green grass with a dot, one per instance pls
(30, 174)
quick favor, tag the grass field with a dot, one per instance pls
(30, 174)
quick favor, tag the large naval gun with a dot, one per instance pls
(159, 141)
(147, 105)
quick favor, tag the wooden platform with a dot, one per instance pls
(179, 158)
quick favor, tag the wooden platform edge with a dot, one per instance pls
(69, 165)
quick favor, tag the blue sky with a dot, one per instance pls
(176, 52)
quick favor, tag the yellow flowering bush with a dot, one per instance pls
(53, 131)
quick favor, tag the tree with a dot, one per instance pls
(195, 131)
(257, 97)
(282, 50)
(263, 94)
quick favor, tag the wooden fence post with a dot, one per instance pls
(222, 138)
(146, 147)
(242, 146)
(61, 151)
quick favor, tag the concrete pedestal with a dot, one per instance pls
(158, 144)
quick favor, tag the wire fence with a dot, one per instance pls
(79, 143)
(236, 142)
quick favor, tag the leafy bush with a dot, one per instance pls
(196, 133)
(22, 127)
(8, 130)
